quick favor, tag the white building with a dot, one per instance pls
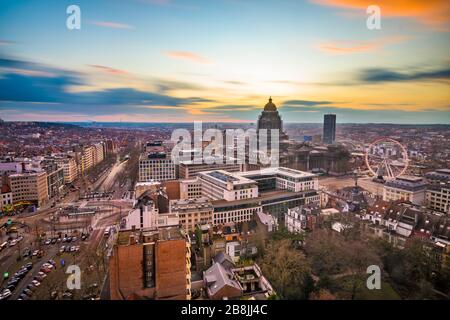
(405, 188)
(285, 178)
(156, 166)
(238, 196)
(438, 198)
(145, 215)
(220, 184)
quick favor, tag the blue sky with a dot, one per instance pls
(219, 60)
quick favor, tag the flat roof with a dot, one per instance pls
(277, 170)
(223, 176)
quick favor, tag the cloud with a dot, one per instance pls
(112, 25)
(108, 69)
(352, 46)
(374, 75)
(188, 56)
(434, 13)
(6, 42)
(304, 103)
(24, 83)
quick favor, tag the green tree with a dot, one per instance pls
(287, 269)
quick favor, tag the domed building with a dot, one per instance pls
(270, 118)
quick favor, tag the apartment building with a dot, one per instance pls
(29, 186)
(87, 158)
(69, 166)
(156, 166)
(438, 197)
(98, 153)
(55, 177)
(301, 219)
(151, 264)
(407, 188)
(192, 212)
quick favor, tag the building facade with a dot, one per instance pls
(29, 187)
(329, 128)
(438, 198)
(192, 212)
(151, 264)
(405, 188)
(156, 166)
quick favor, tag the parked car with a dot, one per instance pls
(48, 241)
(11, 287)
(36, 283)
(28, 292)
(29, 265)
(5, 294)
(23, 296)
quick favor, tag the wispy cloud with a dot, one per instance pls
(434, 13)
(374, 75)
(352, 46)
(112, 25)
(108, 69)
(6, 42)
(187, 56)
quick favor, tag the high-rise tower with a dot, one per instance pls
(329, 128)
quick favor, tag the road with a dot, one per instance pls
(8, 257)
(334, 183)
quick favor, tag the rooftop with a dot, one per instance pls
(292, 173)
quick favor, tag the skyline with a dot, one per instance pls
(180, 61)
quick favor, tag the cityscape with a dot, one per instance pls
(214, 176)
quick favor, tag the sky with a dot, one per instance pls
(220, 60)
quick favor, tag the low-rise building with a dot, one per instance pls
(192, 212)
(301, 219)
(405, 188)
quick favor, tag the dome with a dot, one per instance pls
(270, 106)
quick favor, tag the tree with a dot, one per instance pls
(340, 262)
(287, 269)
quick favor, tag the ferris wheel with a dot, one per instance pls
(387, 158)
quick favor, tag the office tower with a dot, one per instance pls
(329, 128)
